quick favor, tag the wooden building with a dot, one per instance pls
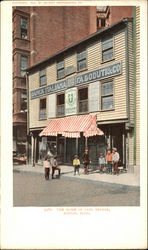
(94, 76)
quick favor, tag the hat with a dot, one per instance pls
(114, 149)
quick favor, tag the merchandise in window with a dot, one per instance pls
(61, 105)
(23, 28)
(42, 77)
(107, 102)
(24, 62)
(83, 100)
(107, 49)
(60, 70)
(42, 114)
(81, 60)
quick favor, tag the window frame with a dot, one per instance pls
(41, 76)
(23, 70)
(21, 100)
(60, 68)
(80, 51)
(107, 49)
(24, 29)
(78, 100)
(62, 93)
(107, 95)
(45, 118)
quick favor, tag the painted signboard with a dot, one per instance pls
(99, 74)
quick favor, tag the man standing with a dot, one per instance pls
(86, 160)
(115, 159)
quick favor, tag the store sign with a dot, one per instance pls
(71, 101)
(99, 74)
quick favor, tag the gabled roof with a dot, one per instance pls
(80, 42)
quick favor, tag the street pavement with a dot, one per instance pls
(31, 189)
(124, 178)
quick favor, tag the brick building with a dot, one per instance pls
(39, 32)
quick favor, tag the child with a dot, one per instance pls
(55, 167)
(101, 162)
(76, 164)
(109, 161)
(47, 167)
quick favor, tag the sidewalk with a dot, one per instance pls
(129, 179)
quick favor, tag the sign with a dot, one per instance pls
(99, 74)
(71, 101)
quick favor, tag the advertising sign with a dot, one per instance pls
(71, 101)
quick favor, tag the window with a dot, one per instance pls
(83, 100)
(23, 101)
(107, 96)
(60, 69)
(81, 60)
(107, 49)
(42, 114)
(24, 61)
(42, 77)
(61, 105)
(23, 28)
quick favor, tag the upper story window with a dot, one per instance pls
(107, 49)
(83, 100)
(107, 101)
(60, 69)
(42, 77)
(24, 63)
(23, 28)
(81, 60)
(42, 112)
(61, 105)
(23, 101)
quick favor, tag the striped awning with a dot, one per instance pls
(72, 126)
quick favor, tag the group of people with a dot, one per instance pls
(48, 166)
(110, 161)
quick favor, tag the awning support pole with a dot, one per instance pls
(77, 146)
(86, 142)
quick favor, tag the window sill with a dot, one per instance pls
(106, 110)
(81, 70)
(40, 86)
(110, 60)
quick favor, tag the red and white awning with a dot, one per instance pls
(72, 126)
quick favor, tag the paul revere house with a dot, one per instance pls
(84, 95)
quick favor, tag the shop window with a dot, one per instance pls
(107, 102)
(23, 101)
(42, 77)
(23, 28)
(107, 49)
(83, 100)
(81, 60)
(60, 105)
(24, 62)
(42, 114)
(60, 69)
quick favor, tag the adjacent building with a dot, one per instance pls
(89, 81)
(39, 32)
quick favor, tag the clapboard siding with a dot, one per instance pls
(120, 102)
(51, 73)
(131, 72)
(71, 60)
(34, 114)
(34, 81)
(137, 85)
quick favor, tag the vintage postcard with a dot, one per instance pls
(73, 124)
